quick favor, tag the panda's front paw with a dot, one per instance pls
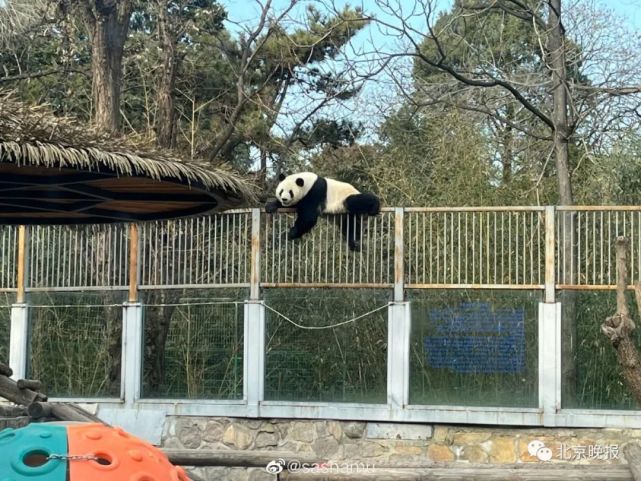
(272, 206)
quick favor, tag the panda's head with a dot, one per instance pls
(293, 188)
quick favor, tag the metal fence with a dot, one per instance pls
(485, 247)
(241, 310)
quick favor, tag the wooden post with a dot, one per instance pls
(399, 260)
(254, 279)
(133, 263)
(550, 282)
(22, 264)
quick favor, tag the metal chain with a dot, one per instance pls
(74, 457)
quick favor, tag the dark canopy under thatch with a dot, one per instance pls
(55, 171)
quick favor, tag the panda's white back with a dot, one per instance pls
(337, 191)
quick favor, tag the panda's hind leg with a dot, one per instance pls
(365, 203)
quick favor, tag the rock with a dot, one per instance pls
(325, 447)
(503, 450)
(371, 450)
(334, 428)
(439, 453)
(442, 435)
(407, 451)
(354, 430)
(474, 454)
(266, 427)
(190, 437)
(471, 438)
(238, 436)
(213, 432)
(302, 432)
(266, 439)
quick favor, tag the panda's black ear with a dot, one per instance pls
(281, 176)
(300, 182)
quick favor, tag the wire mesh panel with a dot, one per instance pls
(474, 247)
(585, 237)
(78, 257)
(5, 324)
(595, 379)
(202, 353)
(322, 257)
(474, 347)
(75, 342)
(313, 361)
(201, 251)
(8, 250)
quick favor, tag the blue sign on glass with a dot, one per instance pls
(474, 338)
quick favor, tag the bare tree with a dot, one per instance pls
(559, 97)
(108, 25)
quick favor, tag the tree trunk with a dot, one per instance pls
(166, 114)
(108, 25)
(619, 328)
(556, 60)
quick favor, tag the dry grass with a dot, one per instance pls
(32, 135)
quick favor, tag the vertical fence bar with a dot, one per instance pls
(19, 330)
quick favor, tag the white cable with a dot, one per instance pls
(330, 326)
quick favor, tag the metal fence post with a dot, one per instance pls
(550, 330)
(254, 329)
(132, 328)
(549, 361)
(19, 331)
(399, 325)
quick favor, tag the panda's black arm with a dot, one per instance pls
(272, 206)
(305, 221)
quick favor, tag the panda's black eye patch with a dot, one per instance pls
(300, 182)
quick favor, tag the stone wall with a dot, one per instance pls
(391, 445)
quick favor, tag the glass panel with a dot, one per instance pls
(346, 363)
(193, 343)
(591, 376)
(76, 342)
(474, 348)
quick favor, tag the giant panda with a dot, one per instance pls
(313, 195)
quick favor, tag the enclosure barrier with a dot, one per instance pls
(162, 269)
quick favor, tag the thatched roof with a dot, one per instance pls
(54, 170)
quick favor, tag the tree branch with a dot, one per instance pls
(41, 73)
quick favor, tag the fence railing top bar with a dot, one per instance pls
(518, 208)
(588, 208)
